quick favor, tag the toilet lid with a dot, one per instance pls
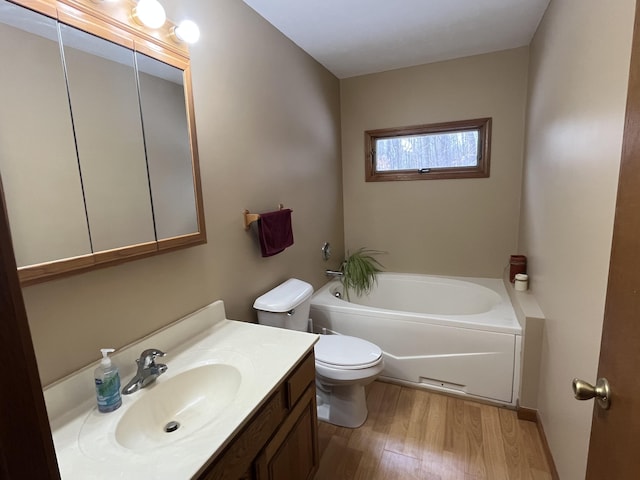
(346, 352)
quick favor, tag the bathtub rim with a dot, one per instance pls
(509, 324)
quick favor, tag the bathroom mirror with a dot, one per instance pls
(38, 160)
(98, 152)
(103, 94)
(168, 148)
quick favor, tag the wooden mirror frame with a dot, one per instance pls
(112, 21)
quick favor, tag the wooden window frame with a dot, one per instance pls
(481, 125)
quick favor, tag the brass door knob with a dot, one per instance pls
(584, 391)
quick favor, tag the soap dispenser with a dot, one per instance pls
(107, 380)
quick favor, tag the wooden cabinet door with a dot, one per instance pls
(292, 454)
(248, 475)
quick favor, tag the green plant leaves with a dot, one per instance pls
(359, 271)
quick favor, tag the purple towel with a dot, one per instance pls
(274, 230)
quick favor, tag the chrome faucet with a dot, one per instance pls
(148, 371)
(333, 273)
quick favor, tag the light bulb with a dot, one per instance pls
(149, 13)
(187, 31)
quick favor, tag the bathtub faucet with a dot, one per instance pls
(333, 273)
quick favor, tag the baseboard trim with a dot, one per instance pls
(528, 414)
(532, 415)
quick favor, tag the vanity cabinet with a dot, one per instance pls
(280, 440)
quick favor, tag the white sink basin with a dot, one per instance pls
(179, 406)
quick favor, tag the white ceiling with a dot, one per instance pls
(355, 37)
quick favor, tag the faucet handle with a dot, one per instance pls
(148, 356)
(154, 352)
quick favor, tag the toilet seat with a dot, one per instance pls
(346, 353)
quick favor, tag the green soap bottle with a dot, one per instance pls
(107, 380)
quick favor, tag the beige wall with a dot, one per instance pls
(452, 227)
(578, 79)
(268, 129)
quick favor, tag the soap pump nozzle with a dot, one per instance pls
(106, 361)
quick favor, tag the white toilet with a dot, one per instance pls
(344, 365)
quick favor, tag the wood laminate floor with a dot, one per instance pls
(417, 435)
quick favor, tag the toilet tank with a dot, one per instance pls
(286, 306)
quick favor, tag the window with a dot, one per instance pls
(428, 152)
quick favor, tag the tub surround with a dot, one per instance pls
(85, 440)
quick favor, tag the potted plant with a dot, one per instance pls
(359, 271)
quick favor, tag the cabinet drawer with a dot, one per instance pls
(300, 379)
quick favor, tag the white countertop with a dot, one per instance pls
(85, 440)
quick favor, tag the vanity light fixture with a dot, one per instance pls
(149, 13)
(187, 32)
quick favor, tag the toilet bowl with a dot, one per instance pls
(344, 364)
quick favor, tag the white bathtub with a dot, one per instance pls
(458, 335)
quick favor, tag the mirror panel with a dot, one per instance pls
(38, 161)
(166, 133)
(106, 114)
